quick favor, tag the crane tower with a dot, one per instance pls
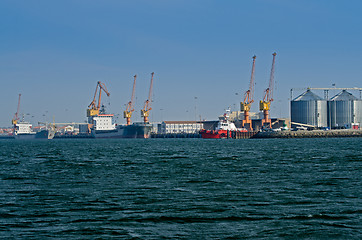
(128, 113)
(268, 98)
(16, 117)
(248, 100)
(145, 112)
(93, 108)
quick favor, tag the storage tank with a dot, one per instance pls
(309, 108)
(344, 109)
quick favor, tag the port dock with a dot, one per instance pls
(175, 135)
(310, 134)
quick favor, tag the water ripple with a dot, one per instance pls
(181, 189)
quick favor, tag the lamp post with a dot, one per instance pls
(195, 110)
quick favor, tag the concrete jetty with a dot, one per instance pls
(310, 134)
(175, 135)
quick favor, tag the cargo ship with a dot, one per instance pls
(23, 131)
(102, 126)
(223, 129)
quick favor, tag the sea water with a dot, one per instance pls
(181, 189)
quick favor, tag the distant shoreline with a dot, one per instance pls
(280, 134)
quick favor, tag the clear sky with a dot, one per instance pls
(54, 52)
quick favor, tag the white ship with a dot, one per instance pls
(23, 130)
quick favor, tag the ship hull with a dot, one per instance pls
(136, 130)
(44, 134)
(24, 136)
(215, 134)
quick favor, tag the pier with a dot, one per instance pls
(310, 134)
(175, 135)
(242, 135)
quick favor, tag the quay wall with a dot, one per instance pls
(6, 137)
(175, 135)
(310, 134)
(243, 135)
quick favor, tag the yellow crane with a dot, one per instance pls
(248, 100)
(264, 104)
(145, 112)
(16, 117)
(128, 113)
(93, 108)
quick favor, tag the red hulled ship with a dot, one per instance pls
(224, 128)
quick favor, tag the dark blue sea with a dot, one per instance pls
(181, 189)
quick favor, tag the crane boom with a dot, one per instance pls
(93, 107)
(128, 113)
(251, 85)
(248, 100)
(249, 94)
(151, 86)
(131, 103)
(101, 87)
(145, 112)
(271, 82)
(16, 117)
(269, 91)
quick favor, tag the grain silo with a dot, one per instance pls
(308, 108)
(344, 109)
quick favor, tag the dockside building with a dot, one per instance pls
(180, 127)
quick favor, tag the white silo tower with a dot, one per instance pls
(309, 108)
(344, 109)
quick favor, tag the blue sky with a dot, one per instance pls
(54, 52)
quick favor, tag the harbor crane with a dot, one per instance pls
(16, 116)
(268, 98)
(248, 100)
(93, 108)
(128, 113)
(145, 112)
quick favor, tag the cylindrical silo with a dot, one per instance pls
(357, 108)
(344, 109)
(308, 108)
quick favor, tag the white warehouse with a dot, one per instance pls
(180, 127)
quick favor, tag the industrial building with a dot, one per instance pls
(239, 115)
(180, 127)
(256, 120)
(341, 111)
